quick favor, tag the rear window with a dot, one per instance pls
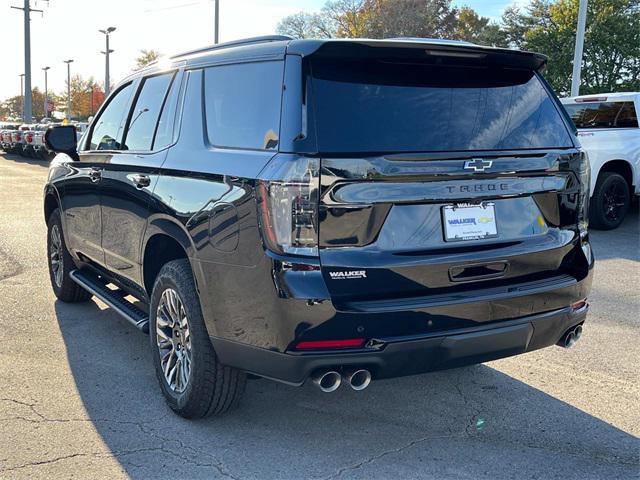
(402, 107)
(603, 115)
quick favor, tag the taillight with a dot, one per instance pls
(585, 188)
(29, 137)
(579, 305)
(18, 137)
(288, 205)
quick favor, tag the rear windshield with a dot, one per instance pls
(375, 106)
(603, 115)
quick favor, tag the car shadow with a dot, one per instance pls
(621, 242)
(474, 422)
(20, 159)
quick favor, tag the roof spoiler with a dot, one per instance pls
(418, 49)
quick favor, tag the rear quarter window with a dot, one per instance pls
(242, 104)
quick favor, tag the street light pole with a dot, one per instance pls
(106, 53)
(46, 93)
(217, 20)
(68, 62)
(26, 109)
(577, 56)
(22, 95)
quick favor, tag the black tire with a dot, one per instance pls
(610, 202)
(211, 388)
(65, 289)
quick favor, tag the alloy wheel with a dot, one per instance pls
(614, 201)
(173, 340)
(56, 255)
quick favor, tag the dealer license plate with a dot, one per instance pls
(469, 222)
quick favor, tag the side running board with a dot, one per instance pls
(114, 298)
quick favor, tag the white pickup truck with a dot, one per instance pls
(608, 130)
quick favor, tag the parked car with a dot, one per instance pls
(608, 130)
(39, 147)
(20, 137)
(27, 141)
(6, 142)
(333, 210)
(17, 140)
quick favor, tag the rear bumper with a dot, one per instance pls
(399, 356)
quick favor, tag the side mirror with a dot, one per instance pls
(90, 119)
(62, 139)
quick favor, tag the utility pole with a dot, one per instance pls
(22, 95)
(577, 57)
(107, 85)
(27, 59)
(217, 20)
(46, 93)
(68, 62)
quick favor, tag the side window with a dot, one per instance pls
(105, 134)
(145, 112)
(164, 130)
(242, 104)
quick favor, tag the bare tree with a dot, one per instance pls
(349, 17)
(306, 25)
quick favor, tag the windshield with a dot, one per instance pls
(376, 106)
(603, 115)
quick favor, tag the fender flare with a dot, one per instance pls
(161, 225)
(169, 227)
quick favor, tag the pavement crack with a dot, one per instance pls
(116, 455)
(384, 454)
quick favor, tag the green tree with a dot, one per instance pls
(472, 27)
(611, 59)
(146, 57)
(392, 18)
(86, 97)
(11, 108)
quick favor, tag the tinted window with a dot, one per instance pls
(391, 107)
(164, 130)
(146, 111)
(106, 133)
(603, 115)
(243, 104)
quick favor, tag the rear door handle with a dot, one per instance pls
(141, 181)
(95, 174)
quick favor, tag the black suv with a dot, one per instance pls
(334, 210)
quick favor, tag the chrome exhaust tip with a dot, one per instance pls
(570, 337)
(577, 332)
(327, 381)
(358, 379)
(570, 340)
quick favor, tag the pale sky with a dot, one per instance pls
(68, 29)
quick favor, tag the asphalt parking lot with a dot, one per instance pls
(79, 397)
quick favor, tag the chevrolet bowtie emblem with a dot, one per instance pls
(478, 164)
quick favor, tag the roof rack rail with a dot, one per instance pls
(235, 43)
